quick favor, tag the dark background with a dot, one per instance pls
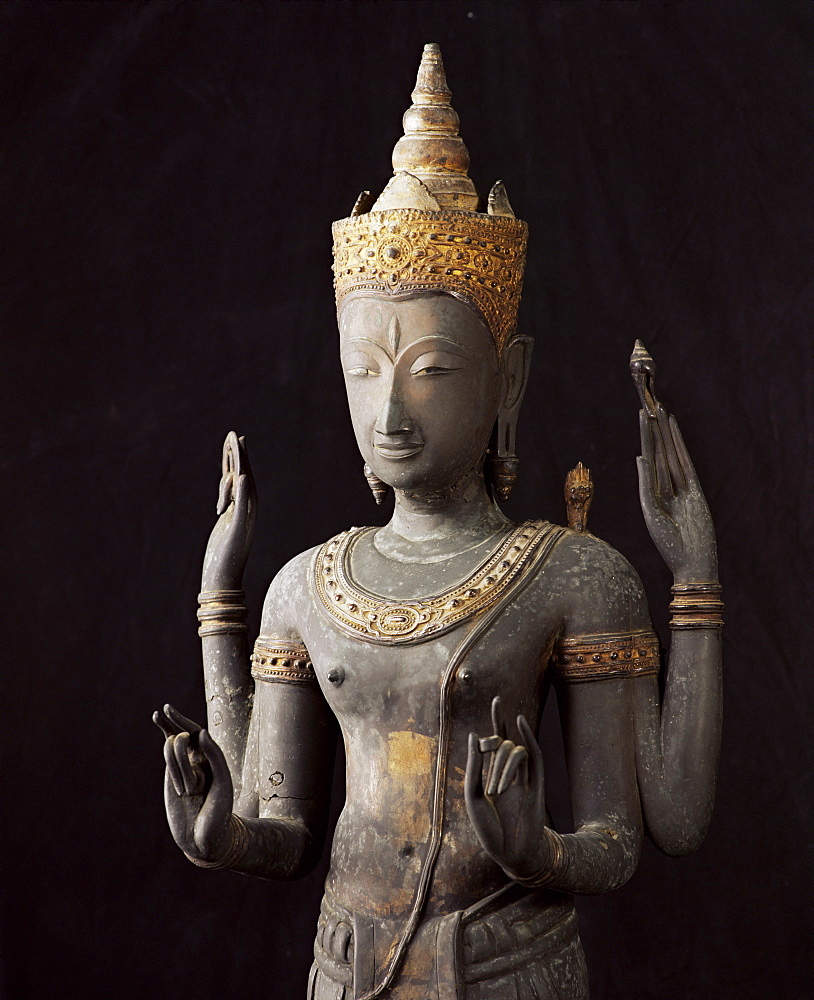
(170, 172)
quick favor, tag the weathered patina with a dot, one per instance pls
(430, 644)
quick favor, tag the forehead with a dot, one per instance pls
(372, 316)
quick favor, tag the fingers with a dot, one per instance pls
(646, 435)
(509, 762)
(188, 761)
(164, 724)
(498, 727)
(517, 760)
(664, 482)
(666, 431)
(536, 769)
(690, 475)
(173, 771)
(181, 722)
(225, 492)
(243, 466)
(220, 798)
(473, 779)
(496, 766)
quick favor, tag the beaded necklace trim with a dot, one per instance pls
(377, 619)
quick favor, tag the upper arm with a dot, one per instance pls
(293, 730)
(605, 642)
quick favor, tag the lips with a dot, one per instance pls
(398, 449)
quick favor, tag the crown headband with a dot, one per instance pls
(423, 234)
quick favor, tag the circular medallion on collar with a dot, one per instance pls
(398, 620)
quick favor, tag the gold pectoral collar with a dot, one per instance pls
(377, 619)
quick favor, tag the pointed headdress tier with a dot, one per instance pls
(424, 233)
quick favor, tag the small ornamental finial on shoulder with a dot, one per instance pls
(579, 491)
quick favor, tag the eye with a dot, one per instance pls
(435, 363)
(432, 370)
(361, 370)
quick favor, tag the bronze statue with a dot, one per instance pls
(430, 644)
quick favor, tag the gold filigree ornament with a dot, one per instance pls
(423, 233)
(366, 616)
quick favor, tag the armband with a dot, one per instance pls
(606, 657)
(282, 660)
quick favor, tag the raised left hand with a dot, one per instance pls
(507, 808)
(674, 508)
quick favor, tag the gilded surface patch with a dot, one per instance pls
(376, 619)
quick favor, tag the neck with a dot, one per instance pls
(441, 522)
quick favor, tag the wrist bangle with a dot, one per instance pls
(222, 612)
(556, 864)
(696, 605)
(238, 845)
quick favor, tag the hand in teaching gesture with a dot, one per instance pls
(507, 806)
(674, 508)
(231, 538)
(197, 787)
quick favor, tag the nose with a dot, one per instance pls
(393, 417)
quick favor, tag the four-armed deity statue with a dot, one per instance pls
(430, 644)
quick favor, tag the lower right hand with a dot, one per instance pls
(198, 792)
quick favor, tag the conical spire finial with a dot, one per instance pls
(431, 148)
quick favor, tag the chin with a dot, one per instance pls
(416, 474)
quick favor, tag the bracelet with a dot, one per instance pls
(555, 867)
(238, 845)
(696, 605)
(222, 612)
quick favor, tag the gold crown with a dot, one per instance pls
(423, 233)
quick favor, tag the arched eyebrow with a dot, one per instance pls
(437, 343)
(368, 343)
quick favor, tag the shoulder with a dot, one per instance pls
(289, 592)
(599, 590)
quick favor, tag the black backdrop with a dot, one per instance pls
(170, 173)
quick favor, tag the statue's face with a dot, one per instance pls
(423, 384)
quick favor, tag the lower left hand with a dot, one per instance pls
(507, 808)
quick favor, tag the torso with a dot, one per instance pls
(385, 696)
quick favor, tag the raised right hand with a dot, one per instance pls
(231, 538)
(198, 792)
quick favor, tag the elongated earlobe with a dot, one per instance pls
(502, 463)
(377, 487)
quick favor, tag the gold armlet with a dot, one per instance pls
(605, 657)
(222, 612)
(282, 660)
(697, 605)
(555, 867)
(238, 845)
